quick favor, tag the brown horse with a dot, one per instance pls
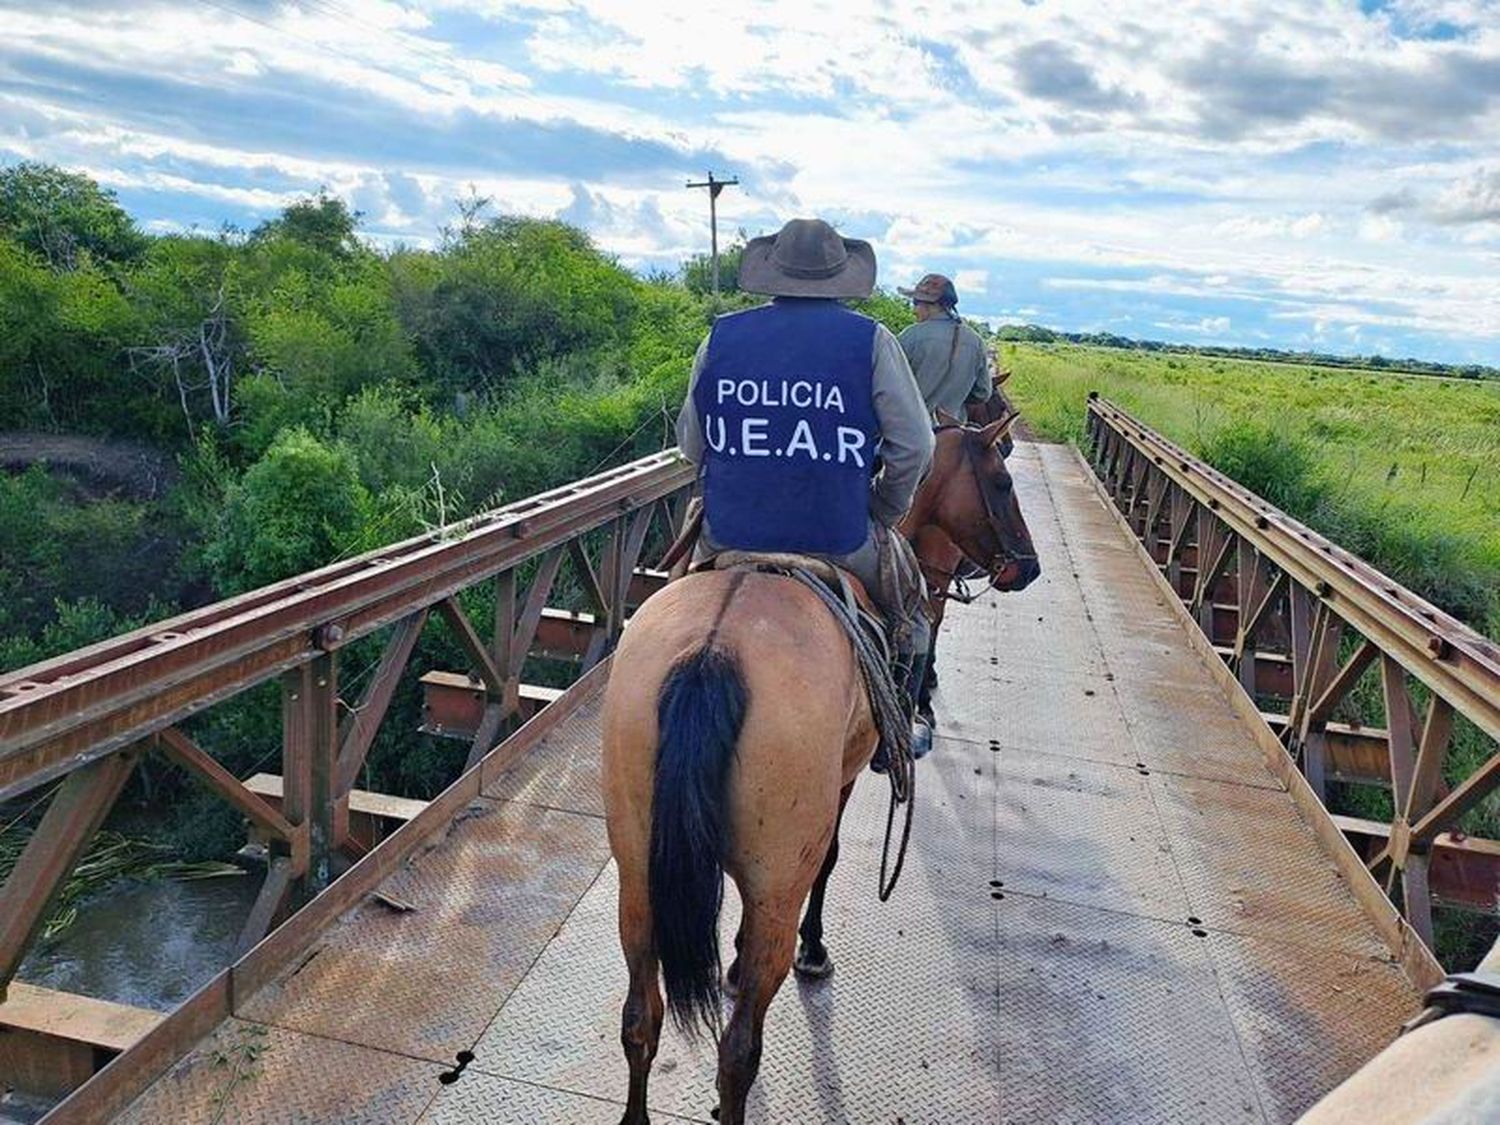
(735, 725)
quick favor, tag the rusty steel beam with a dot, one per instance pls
(72, 817)
(1462, 870)
(470, 641)
(453, 704)
(75, 708)
(1327, 590)
(177, 746)
(536, 603)
(357, 734)
(1453, 660)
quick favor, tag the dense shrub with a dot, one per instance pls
(299, 507)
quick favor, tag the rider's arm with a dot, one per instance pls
(689, 427)
(982, 385)
(905, 431)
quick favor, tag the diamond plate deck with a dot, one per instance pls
(1111, 912)
(247, 1072)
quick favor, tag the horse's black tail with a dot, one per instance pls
(699, 714)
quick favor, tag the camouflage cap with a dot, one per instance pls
(934, 289)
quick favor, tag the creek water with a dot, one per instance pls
(149, 944)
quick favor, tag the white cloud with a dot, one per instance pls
(972, 281)
(1219, 151)
(1207, 326)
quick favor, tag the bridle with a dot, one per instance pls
(1002, 558)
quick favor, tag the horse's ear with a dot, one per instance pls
(1000, 376)
(946, 419)
(999, 428)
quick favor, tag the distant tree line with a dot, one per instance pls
(1036, 334)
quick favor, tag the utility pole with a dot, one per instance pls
(714, 187)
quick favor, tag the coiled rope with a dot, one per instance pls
(892, 714)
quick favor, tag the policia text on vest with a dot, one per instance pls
(753, 439)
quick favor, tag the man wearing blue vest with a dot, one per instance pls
(808, 427)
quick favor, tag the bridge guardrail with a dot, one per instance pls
(84, 719)
(1301, 620)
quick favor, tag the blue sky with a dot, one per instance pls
(1304, 174)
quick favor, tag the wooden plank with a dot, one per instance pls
(360, 800)
(80, 1019)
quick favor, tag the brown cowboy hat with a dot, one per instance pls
(808, 258)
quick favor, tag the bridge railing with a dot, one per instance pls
(1319, 638)
(83, 720)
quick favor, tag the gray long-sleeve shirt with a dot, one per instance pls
(905, 427)
(949, 362)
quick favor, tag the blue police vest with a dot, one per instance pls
(787, 407)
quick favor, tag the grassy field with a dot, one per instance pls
(1402, 469)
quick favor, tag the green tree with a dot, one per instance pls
(64, 216)
(697, 273)
(62, 336)
(507, 294)
(299, 507)
(320, 222)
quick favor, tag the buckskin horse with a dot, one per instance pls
(735, 725)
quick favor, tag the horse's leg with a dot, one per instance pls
(769, 943)
(812, 959)
(732, 977)
(640, 1021)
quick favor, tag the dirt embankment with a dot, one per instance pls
(102, 466)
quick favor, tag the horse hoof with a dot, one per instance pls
(812, 968)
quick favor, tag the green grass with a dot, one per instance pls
(1404, 470)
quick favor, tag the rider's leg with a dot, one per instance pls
(885, 565)
(921, 645)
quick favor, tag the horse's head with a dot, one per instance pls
(970, 497)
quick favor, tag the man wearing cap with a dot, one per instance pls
(946, 355)
(788, 408)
